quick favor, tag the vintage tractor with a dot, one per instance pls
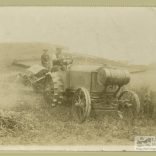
(90, 88)
(98, 88)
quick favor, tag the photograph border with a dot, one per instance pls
(76, 3)
(93, 3)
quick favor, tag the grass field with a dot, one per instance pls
(25, 119)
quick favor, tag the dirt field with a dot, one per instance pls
(38, 124)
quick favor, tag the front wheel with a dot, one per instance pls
(81, 105)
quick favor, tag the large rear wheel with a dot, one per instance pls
(129, 104)
(49, 91)
(53, 92)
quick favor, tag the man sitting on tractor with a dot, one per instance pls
(56, 62)
(46, 60)
(61, 63)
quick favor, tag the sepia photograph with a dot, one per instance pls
(78, 78)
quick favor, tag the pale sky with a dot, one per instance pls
(113, 33)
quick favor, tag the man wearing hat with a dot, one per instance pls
(59, 55)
